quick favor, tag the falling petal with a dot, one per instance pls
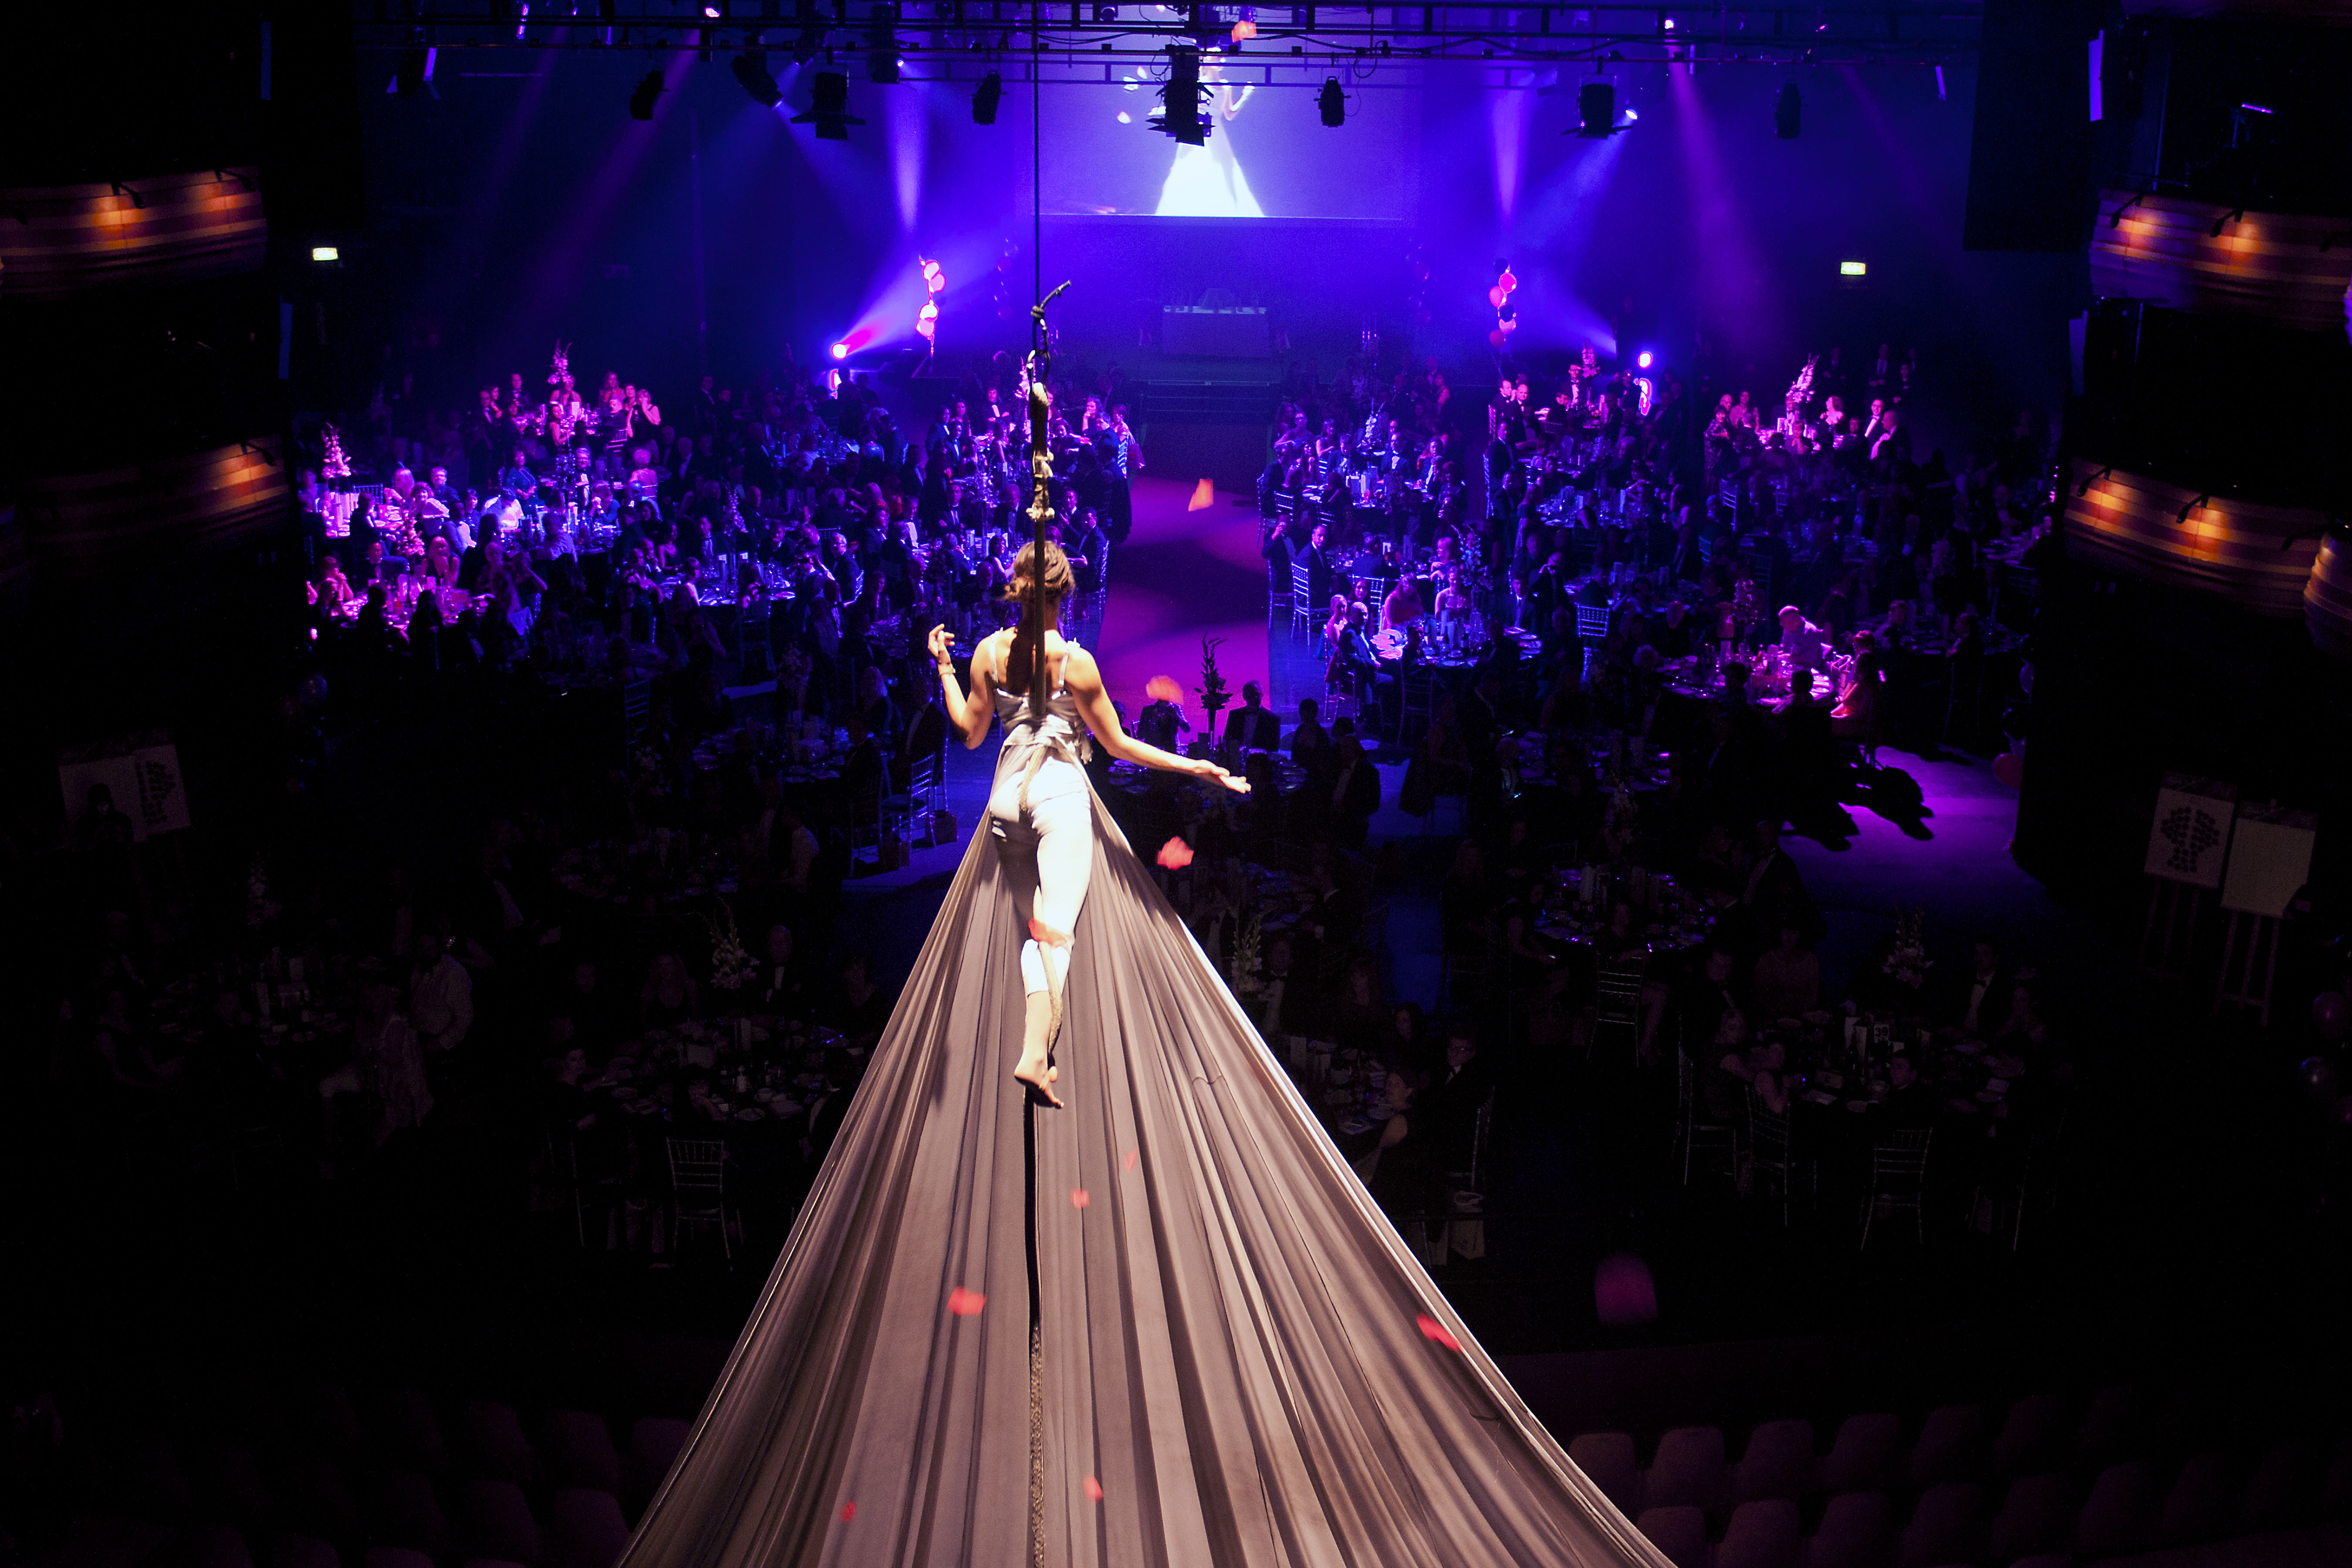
(1079, 1198)
(1175, 855)
(1094, 1490)
(965, 1303)
(1438, 1332)
(848, 1511)
(1130, 1160)
(1163, 688)
(1204, 496)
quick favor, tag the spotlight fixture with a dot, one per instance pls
(714, 10)
(1788, 113)
(828, 107)
(1596, 110)
(841, 351)
(984, 99)
(1332, 103)
(641, 102)
(1180, 115)
(1105, 13)
(752, 71)
(1643, 359)
(414, 73)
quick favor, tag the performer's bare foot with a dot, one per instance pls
(1038, 1078)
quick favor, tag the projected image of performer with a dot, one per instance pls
(1207, 181)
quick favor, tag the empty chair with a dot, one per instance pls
(498, 1522)
(406, 1434)
(1857, 1531)
(2038, 1515)
(1761, 1534)
(1679, 1532)
(404, 1510)
(584, 1529)
(1867, 1456)
(580, 1450)
(496, 1449)
(303, 1551)
(654, 1445)
(1607, 1459)
(1898, 1180)
(2118, 1427)
(2036, 1436)
(1778, 1463)
(2120, 1513)
(1950, 1445)
(1687, 1472)
(397, 1557)
(2285, 1487)
(1944, 1527)
(2203, 1504)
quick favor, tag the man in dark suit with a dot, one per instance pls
(1978, 1001)
(1319, 567)
(1449, 1107)
(1277, 552)
(1252, 726)
(1911, 1102)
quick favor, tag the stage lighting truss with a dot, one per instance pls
(1272, 44)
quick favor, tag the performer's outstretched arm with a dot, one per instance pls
(1083, 678)
(968, 712)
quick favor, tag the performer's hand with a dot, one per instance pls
(1211, 771)
(942, 641)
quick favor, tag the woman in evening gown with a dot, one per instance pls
(1082, 1283)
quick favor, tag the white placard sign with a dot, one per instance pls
(2191, 836)
(2269, 860)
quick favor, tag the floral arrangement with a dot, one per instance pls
(731, 968)
(1908, 960)
(1743, 602)
(1213, 689)
(335, 465)
(563, 367)
(1621, 822)
(1246, 955)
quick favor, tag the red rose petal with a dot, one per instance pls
(965, 1303)
(1130, 1160)
(1079, 1198)
(1094, 1490)
(1175, 855)
(848, 1511)
(1438, 1332)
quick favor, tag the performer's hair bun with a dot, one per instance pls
(1025, 577)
